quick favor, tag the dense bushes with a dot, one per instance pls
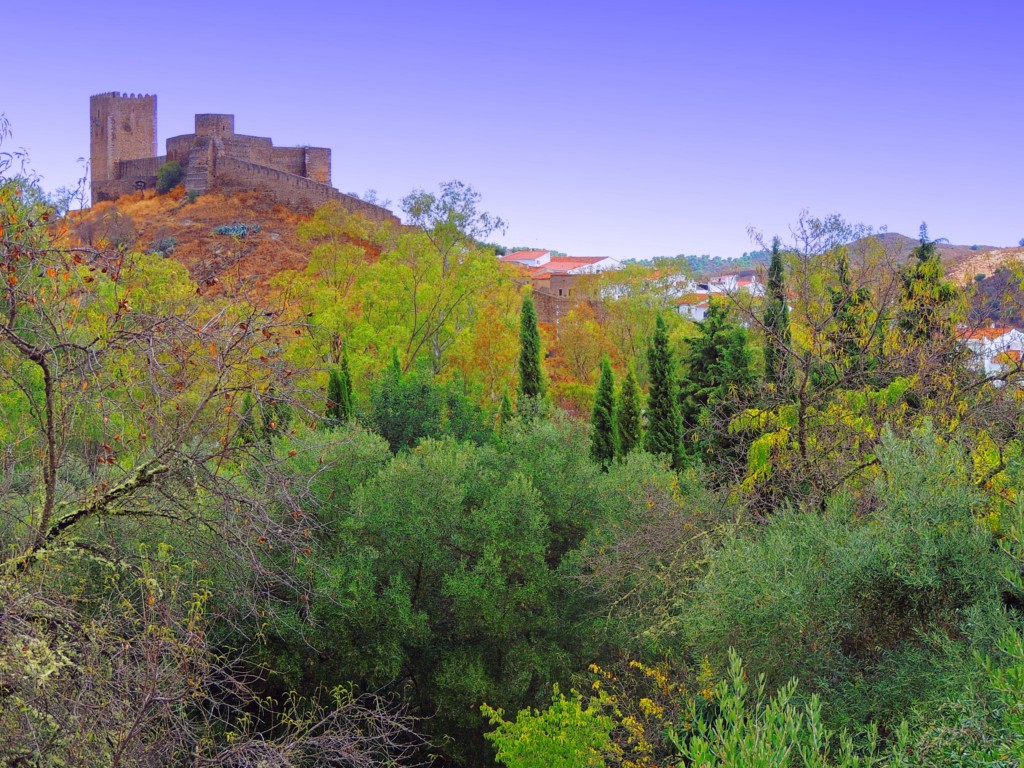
(869, 610)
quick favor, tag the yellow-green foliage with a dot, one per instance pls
(567, 734)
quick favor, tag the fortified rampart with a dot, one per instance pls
(124, 159)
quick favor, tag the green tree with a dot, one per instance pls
(505, 414)
(531, 385)
(718, 380)
(928, 298)
(628, 414)
(777, 368)
(663, 426)
(604, 429)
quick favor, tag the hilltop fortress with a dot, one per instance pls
(124, 158)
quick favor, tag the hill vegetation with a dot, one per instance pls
(285, 490)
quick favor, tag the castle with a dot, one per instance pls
(124, 158)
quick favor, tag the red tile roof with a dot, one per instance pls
(568, 263)
(522, 255)
(984, 333)
(695, 299)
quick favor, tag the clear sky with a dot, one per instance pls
(622, 129)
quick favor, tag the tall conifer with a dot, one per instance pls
(663, 427)
(335, 397)
(530, 383)
(505, 412)
(339, 392)
(719, 381)
(628, 414)
(602, 421)
(777, 367)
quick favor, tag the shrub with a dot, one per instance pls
(566, 735)
(168, 175)
(237, 229)
(165, 246)
(192, 195)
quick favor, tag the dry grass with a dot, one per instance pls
(220, 264)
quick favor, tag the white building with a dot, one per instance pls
(995, 349)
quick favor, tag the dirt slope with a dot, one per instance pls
(219, 263)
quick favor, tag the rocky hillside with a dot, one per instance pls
(242, 260)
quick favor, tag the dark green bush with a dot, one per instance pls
(168, 176)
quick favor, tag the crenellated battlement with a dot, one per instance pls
(119, 95)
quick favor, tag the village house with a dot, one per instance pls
(695, 301)
(995, 348)
(555, 277)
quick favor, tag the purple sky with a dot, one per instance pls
(629, 130)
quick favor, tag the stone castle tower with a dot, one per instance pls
(122, 127)
(124, 159)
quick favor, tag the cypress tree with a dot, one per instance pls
(663, 428)
(602, 420)
(339, 392)
(530, 384)
(337, 409)
(719, 382)
(505, 412)
(628, 414)
(777, 368)
(347, 400)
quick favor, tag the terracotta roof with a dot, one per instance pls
(565, 263)
(542, 275)
(694, 299)
(984, 333)
(522, 255)
(1009, 355)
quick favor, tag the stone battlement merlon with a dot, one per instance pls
(119, 95)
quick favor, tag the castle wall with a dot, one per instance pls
(551, 309)
(147, 166)
(290, 189)
(318, 164)
(289, 160)
(253, 149)
(216, 126)
(111, 189)
(178, 148)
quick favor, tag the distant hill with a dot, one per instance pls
(900, 247)
(707, 266)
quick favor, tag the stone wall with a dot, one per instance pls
(318, 164)
(551, 309)
(146, 166)
(111, 189)
(291, 189)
